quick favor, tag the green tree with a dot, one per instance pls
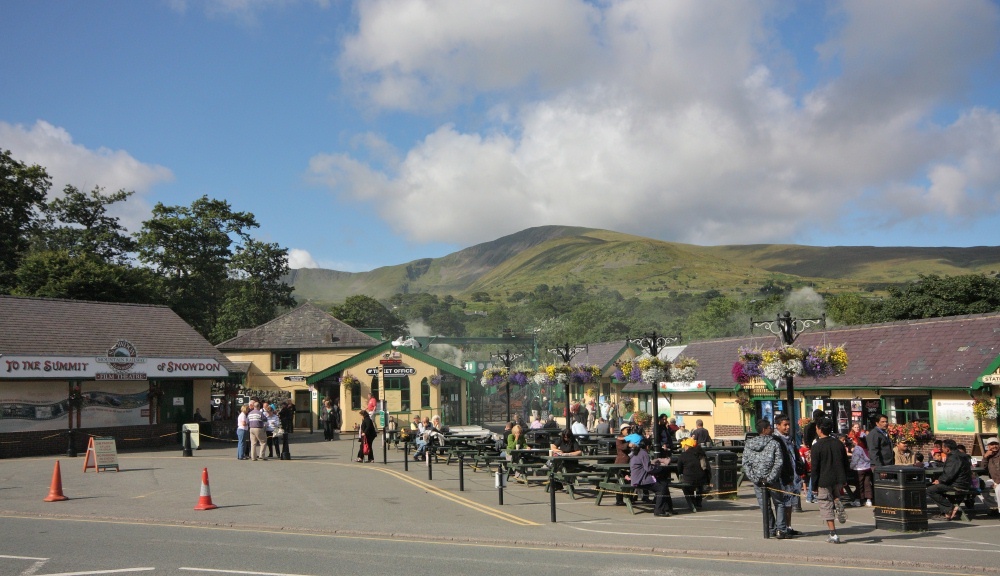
(850, 309)
(22, 194)
(934, 296)
(59, 274)
(362, 311)
(257, 290)
(191, 248)
(78, 223)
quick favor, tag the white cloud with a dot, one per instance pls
(672, 120)
(298, 258)
(245, 11)
(69, 163)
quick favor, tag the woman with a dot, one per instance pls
(326, 415)
(271, 424)
(857, 435)
(565, 445)
(242, 429)
(516, 440)
(367, 435)
(693, 469)
(862, 465)
(651, 475)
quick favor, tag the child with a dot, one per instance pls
(806, 454)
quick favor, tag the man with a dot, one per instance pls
(681, 433)
(700, 434)
(879, 445)
(782, 429)
(579, 428)
(809, 432)
(257, 421)
(829, 464)
(603, 427)
(763, 464)
(902, 454)
(957, 475)
(992, 461)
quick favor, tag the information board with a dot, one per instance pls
(195, 435)
(104, 452)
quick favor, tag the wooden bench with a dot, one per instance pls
(629, 493)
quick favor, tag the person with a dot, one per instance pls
(674, 427)
(242, 430)
(763, 464)
(287, 416)
(197, 415)
(366, 434)
(622, 455)
(856, 434)
(565, 445)
(682, 432)
(603, 427)
(271, 425)
(809, 432)
(828, 460)
(579, 428)
(991, 460)
(666, 435)
(550, 423)
(700, 433)
(791, 486)
(861, 464)
(902, 454)
(807, 470)
(536, 423)
(648, 474)
(436, 422)
(693, 469)
(918, 460)
(850, 488)
(426, 435)
(957, 475)
(258, 434)
(536, 409)
(879, 445)
(516, 440)
(326, 416)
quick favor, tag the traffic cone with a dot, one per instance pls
(55, 489)
(205, 499)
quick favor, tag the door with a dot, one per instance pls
(178, 400)
(303, 411)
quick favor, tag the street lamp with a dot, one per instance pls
(507, 358)
(653, 344)
(788, 329)
(567, 352)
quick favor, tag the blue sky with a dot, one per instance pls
(374, 133)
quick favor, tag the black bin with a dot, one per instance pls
(725, 472)
(900, 499)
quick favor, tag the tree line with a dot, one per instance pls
(201, 260)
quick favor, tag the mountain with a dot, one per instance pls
(634, 265)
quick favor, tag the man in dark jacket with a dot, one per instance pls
(809, 432)
(957, 475)
(879, 445)
(829, 473)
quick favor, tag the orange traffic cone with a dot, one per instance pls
(55, 489)
(205, 499)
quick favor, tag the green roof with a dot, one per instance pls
(386, 347)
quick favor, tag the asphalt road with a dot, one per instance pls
(322, 513)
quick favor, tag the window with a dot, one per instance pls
(425, 394)
(903, 409)
(403, 385)
(284, 360)
(356, 395)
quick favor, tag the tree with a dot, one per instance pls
(191, 247)
(22, 194)
(78, 223)
(59, 274)
(257, 290)
(362, 311)
(935, 296)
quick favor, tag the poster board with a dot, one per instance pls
(195, 435)
(104, 452)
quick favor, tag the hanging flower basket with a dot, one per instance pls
(778, 363)
(561, 373)
(744, 402)
(347, 380)
(501, 375)
(436, 380)
(649, 370)
(984, 408)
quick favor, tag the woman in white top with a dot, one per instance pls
(242, 429)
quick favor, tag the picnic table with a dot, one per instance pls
(570, 471)
(614, 482)
(526, 462)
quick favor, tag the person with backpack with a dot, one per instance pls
(763, 464)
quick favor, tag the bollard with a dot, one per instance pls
(501, 482)
(427, 454)
(461, 472)
(406, 456)
(765, 506)
(284, 447)
(71, 449)
(552, 500)
(385, 446)
(186, 441)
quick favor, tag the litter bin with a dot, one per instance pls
(725, 472)
(900, 499)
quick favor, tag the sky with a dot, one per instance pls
(368, 134)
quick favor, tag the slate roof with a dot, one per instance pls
(950, 352)
(53, 327)
(305, 328)
(603, 354)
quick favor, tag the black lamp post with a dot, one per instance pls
(788, 329)
(507, 358)
(653, 344)
(567, 352)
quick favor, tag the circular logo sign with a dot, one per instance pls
(124, 354)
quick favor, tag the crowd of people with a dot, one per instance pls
(260, 427)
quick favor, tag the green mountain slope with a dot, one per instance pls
(634, 265)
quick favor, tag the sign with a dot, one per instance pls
(398, 371)
(104, 453)
(954, 416)
(178, 400)
(991, 379)
(195, 435)
(97, 367)
(695, 386)
(295, 378)
(371, 371)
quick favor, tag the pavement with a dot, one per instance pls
(321, 489)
